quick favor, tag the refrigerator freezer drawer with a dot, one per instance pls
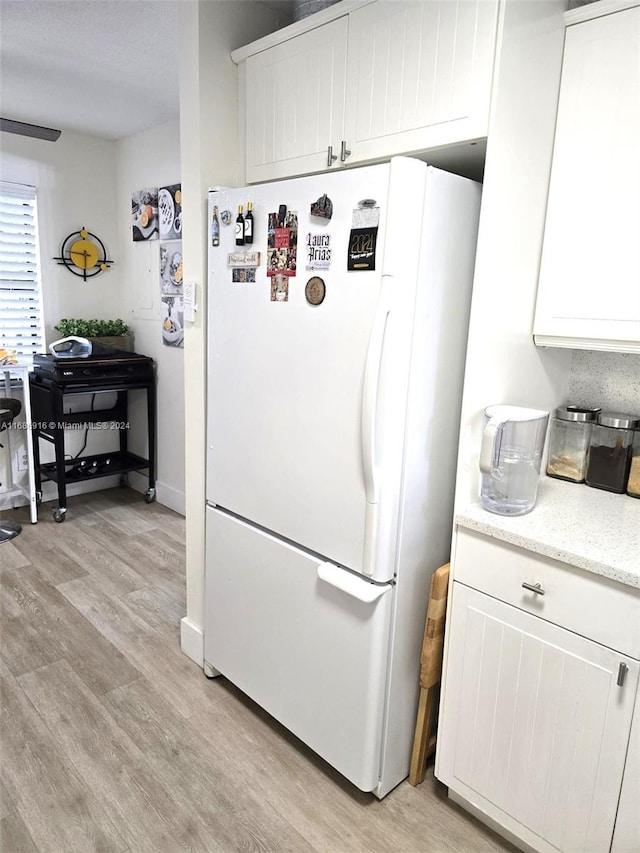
(309, 653)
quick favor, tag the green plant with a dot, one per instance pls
(92, 328)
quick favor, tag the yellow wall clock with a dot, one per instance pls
(83, 254)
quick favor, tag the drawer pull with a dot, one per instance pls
(622, 674)
(344, 151)
(330, 156)
(533, 587)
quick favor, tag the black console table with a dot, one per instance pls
(55, 379)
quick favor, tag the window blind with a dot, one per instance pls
(21, 315)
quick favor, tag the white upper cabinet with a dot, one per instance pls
(295, 103)
(589, 287)
(419, 75)
(363, 81)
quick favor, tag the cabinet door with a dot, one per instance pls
(419, 75)
(534, 727)
(588, 295)
(626, 837)
(295, 103)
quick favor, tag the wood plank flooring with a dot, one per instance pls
(113, 741)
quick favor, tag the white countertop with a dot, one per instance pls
(589, 528)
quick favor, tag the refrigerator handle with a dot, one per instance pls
(351, 584)
(372, 369)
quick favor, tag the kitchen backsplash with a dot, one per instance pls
(610, 380)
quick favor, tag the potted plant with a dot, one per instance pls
(113, 333)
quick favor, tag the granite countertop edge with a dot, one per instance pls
(584, 527)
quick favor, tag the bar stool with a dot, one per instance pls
(9, 411)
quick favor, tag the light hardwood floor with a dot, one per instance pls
(113, 741)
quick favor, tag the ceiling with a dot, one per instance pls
(107, 68)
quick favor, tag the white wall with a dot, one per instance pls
(75, 180)
(151, 159)
(210, 157)
(503, 364)
(85, 181)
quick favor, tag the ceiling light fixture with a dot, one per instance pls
(33, 130)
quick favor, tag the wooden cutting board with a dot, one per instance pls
(424, 741)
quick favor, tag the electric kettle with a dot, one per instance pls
(510, 458)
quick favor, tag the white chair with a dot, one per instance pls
(9, 411)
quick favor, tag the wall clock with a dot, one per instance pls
(83, 254)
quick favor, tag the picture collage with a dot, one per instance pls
(157, 215)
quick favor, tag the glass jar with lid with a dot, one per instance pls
(633, 484)
(610, 450)
(569, 439)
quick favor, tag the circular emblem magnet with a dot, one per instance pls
(315, 290)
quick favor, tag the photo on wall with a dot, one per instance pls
(171, 267)
(170, 212)
(173, 321)
(144, 214)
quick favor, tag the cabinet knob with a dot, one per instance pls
(533, 587)
(344, 151)
(330, 156)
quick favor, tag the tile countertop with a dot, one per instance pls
(589, 528)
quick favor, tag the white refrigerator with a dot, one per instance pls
(336, 346)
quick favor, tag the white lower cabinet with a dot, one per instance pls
(626, 838)
(535, 722)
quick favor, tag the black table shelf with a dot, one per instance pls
(107, 464)
(50, 386)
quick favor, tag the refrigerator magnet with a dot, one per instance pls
(282, 243)
(361, 256)
(225, 217)
(243, 259)
(315, 290)
(366, 215)
(318, 247)
(280, 288)
(363, 237)
(243, 275)
(323, 207)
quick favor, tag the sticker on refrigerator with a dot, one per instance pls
(364, 234)
(243, 259)
(318, 247)
(279, 288)
(282, 244)
(366, 215)
(243, 275)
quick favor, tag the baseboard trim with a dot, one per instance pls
(50, 491)
(192, 641)
(165, 495)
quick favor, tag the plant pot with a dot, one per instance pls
(120, 342)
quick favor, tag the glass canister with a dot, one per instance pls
(569, 439)
(633, 484)
(610, 449)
